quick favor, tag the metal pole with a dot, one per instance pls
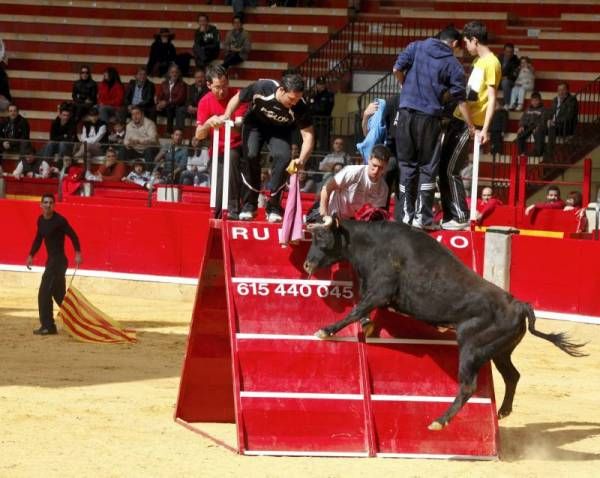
(215, 165)
(226, 161)
(475, 176)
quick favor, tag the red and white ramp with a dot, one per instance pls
(290, 393)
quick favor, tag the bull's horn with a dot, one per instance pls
(327, 221)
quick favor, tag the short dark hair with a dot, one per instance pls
(12, 104)
(202, 15)
(142, 68)
(563, 83)
(476, 30)
(509, 45)
(239, 17)
(47, 195)
(381, 152)
(449, 34)
(292, 82)
(553, 188)
(137, 107)
(65, 107)
(536, 94)
(215, 72)
(577, 198)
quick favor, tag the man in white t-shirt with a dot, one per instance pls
(355, 186)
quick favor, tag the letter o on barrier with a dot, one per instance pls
(459, 242)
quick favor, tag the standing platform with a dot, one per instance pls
(252, 359)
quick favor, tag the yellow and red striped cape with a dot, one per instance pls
(86, 323)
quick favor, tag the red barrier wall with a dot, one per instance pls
(167, 239)
(559, 275)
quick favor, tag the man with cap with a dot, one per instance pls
(321, 105)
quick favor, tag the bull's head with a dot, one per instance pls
(328, 244)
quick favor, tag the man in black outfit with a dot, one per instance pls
(321, 105)
(52, 228)
(276, 110)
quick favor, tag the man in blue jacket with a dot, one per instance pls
(428, 72)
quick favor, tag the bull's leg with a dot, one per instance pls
(511, 376)
(362, 309)
(469, 364)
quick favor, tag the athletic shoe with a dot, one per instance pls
(274, 217)
(453, 225)
(248, 213)
(427, 227)
(45, 331)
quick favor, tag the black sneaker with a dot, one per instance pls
(248, 212)
(45, 331)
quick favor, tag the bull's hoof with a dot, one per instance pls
(323, 334)
(503, 413)
(436, 426)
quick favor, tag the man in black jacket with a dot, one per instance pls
(206, 42)
(140, 92)
(85, 92)
(532, 123)
(510, 67)
(563, 115)
(14, 129)
(63, 135)
(52, 228)
(321, 105)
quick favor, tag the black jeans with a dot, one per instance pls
(231, 59)
(51, 287)
(539, 136)
(455, 154)
(278, 141)
(418, 156)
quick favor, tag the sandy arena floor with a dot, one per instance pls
(72, 409)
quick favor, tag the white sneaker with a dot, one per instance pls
(274, 217)
(455, 225)
(246, 216)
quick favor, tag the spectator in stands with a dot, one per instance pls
(306, 183)
(162, 53)
(171, 96)
(110, 95)
(140, 92)
(85, 92)
(532, 123)
(62, 136)
(138, 176)
(195, 92)
(321, 105)
(523, 84)
(498, 129)
(510, 65)
(574, 201)
(116, 138)
(336, 156)
(172, 157)
(553, 201)
(112, 170)
(14, 129)
(206, 42)
(276, 110)
(5, 97)
(93, 135)
(481, 103)
(210, 109)
(141, 138)
(486, 204)
(239, 5)
(355, 186)
(196, 171)
(563, 119)
(31, 166)
(237, 44)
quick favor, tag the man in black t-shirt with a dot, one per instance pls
(276, 109)
(52, 228)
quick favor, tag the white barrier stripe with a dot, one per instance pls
(425, 398)
(108, 275)
(432, 456)
(586, 319)
(390, 340)
(243, 336)
(226, 161)
(264, 280)
(303, 395)
(348, 454)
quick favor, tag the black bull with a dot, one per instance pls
(405, 269)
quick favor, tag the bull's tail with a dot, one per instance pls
(561, 339)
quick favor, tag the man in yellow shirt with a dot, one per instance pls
(481, 100)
